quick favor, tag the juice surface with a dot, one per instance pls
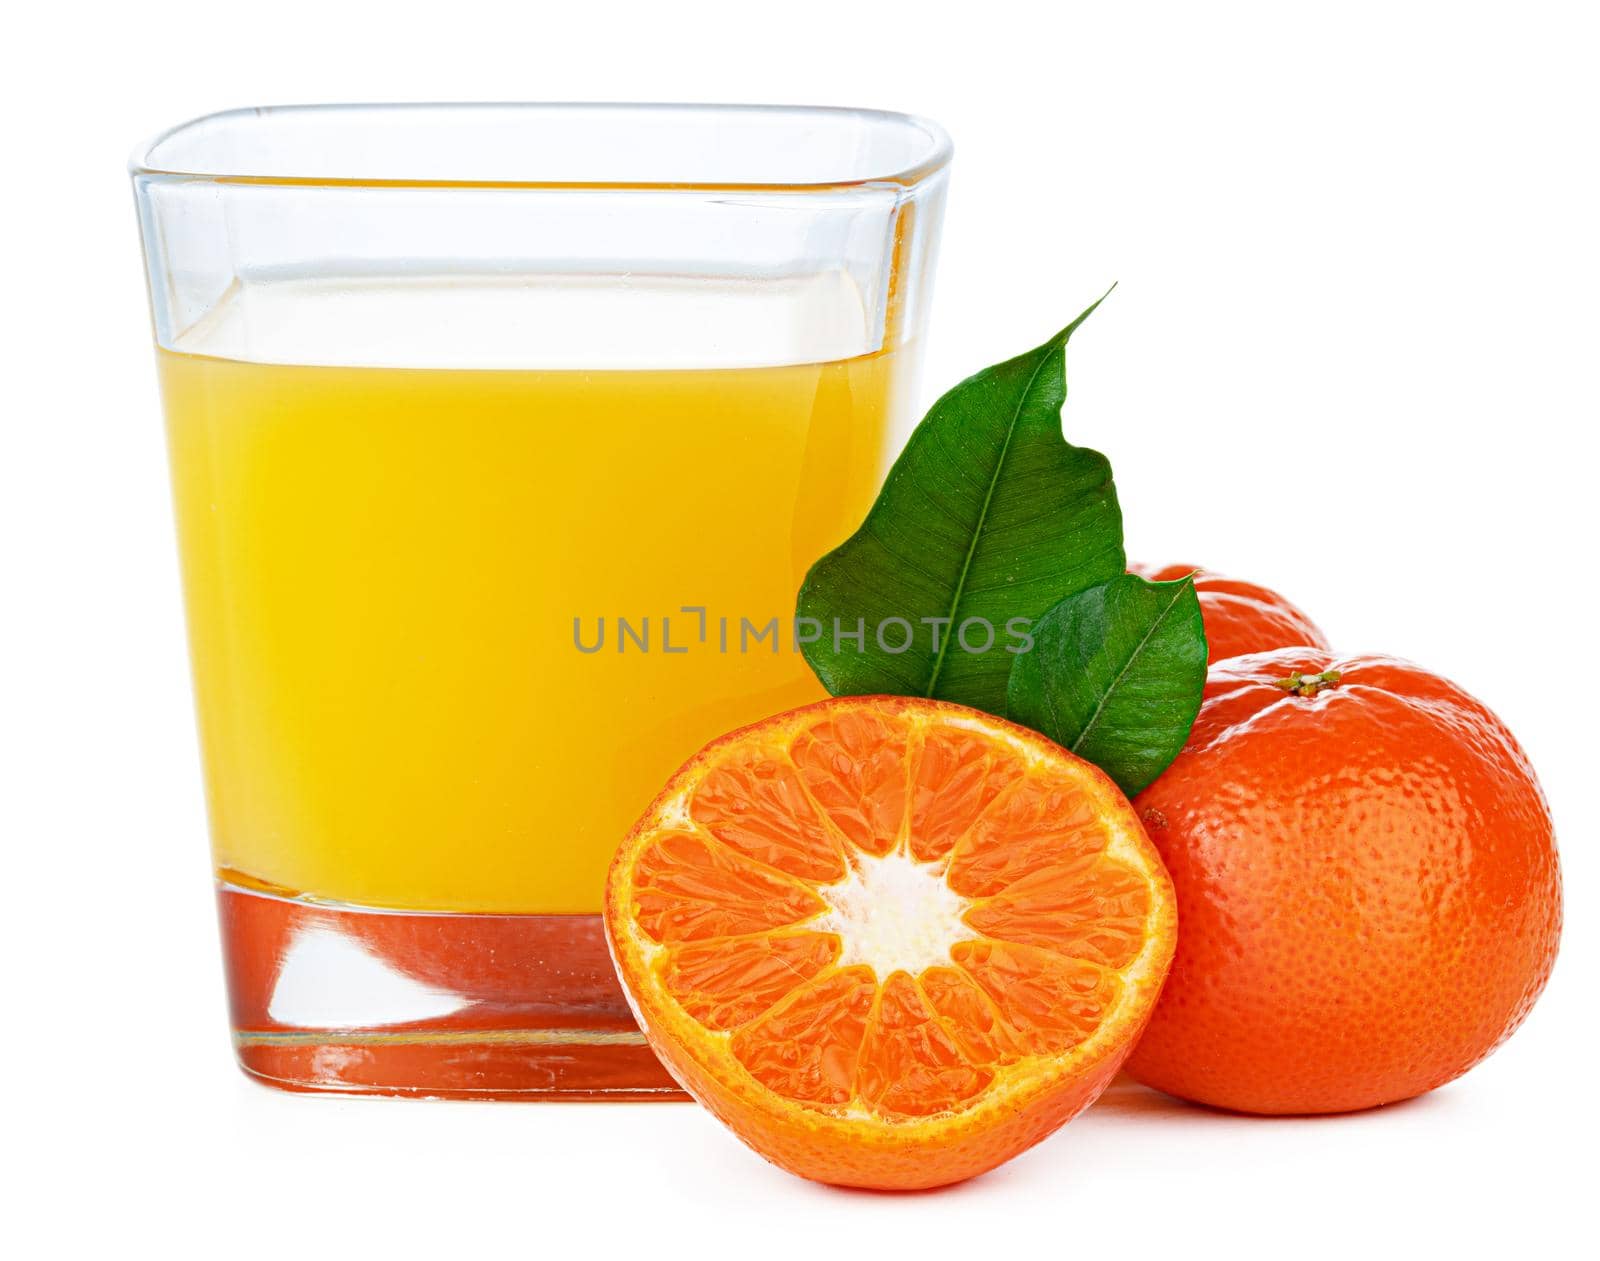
(383, 567)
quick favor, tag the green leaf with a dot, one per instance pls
(988, 516)
(1116, 674)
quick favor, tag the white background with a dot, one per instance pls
(1353, 356)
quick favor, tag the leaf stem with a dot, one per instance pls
(1307, 685)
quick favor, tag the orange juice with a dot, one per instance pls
(396, 577)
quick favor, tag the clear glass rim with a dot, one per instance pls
(932, 154)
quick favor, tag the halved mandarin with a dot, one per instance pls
(889, 942)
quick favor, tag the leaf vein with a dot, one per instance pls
(983, 511)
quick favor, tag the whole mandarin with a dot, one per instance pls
(1240, 617)
(1369, 895)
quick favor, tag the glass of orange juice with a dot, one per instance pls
(501, 438)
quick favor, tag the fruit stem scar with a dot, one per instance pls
(1307, 684)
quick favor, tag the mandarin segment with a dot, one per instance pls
(958, 774)
(729, 982)
(1049, 1002)
(687, 888)
(1097, 913)
(754, 804)
(1041, 824)
(854, 765)
(910, 1065)
(808, 1048)
(971, 1017)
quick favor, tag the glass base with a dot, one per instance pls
(336, 998)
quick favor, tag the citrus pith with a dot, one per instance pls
(890, 942)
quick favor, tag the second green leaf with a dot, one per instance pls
(1116, 675)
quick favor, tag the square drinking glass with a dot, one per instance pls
(501, 438)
